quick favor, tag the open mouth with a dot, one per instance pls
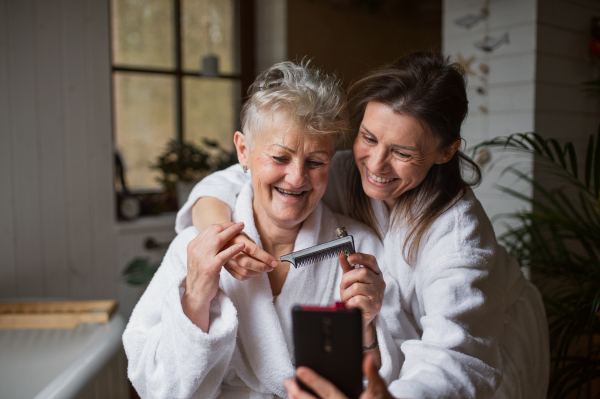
(288, 193)
(379, 179)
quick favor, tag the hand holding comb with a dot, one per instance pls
(321, 252)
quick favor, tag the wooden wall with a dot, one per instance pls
(350, 39)
(57, 229)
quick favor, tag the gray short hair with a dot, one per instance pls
(314, 100)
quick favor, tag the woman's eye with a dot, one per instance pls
(369, 139)
(402, 155)
(315, 164)
(280, 159)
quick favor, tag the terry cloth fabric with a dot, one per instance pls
(248, 351)
(473, 327)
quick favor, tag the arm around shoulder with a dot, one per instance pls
(223, 185)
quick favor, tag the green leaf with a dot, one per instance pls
(140, 271)
(573, 158)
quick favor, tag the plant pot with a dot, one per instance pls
(184, 188)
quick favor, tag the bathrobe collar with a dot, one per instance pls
(265, 330)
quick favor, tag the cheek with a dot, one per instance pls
(318, 179)
(359, 148)
(411, 173)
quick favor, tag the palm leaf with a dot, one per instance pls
(559, 239)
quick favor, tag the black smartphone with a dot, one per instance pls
(329, 341)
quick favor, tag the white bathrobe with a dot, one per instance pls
(473, 327)
(248, 351)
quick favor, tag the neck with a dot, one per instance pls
(390, 203)
(277, 239)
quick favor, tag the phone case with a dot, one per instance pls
(329, 341)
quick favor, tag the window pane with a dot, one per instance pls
(209, 26)
(143, 33)
(144, 123)
(211, 110)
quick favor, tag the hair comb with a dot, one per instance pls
(321, 252)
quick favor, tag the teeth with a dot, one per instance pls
(379, 179)
(286, 192)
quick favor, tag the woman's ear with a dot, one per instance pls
(242, 148)
(448, 152)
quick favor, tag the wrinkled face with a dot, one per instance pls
(289, 172)
(393, 152)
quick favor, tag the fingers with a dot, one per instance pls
(318, 384)
(247, 262)
(211, 230)
(294, 391)
(260, 254)
(224, 256)
(365, 260)
(221, 238)
(344, 262)
(237, 271)
(361, 275)
(357, 290)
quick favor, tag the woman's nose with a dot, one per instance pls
(378, 162)
(297, 176)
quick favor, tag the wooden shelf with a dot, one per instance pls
(54, 314)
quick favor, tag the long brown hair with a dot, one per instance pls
(430, 88)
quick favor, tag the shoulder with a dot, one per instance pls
(464, 227)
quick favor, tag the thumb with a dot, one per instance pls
(344, 262)
(377, 387)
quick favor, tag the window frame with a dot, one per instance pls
(245, 28)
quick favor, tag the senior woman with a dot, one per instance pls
(198, 331)
(473, 326)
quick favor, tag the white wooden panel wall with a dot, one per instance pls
(510, 87)
(57, 229)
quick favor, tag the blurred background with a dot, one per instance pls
(112, 109)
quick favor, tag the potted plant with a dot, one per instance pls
(183, 165)
(559, 241)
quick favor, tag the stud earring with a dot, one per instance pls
(245, 169)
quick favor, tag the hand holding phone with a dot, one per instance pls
(328, 340)
(326, 390)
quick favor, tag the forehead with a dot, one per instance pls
(395, 128)
(282, 131)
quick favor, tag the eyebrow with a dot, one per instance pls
(405, 147)
(294, 151)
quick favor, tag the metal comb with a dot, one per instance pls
(319, 252)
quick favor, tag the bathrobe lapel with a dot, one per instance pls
(264, 333)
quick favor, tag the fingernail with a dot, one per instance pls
(242, 245)
(241, 224)
(340, 285)
(273, 263)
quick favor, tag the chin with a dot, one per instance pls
(377, 194)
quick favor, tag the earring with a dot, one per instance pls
(245, 169)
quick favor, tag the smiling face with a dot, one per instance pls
(394, 152)
(289, 171)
